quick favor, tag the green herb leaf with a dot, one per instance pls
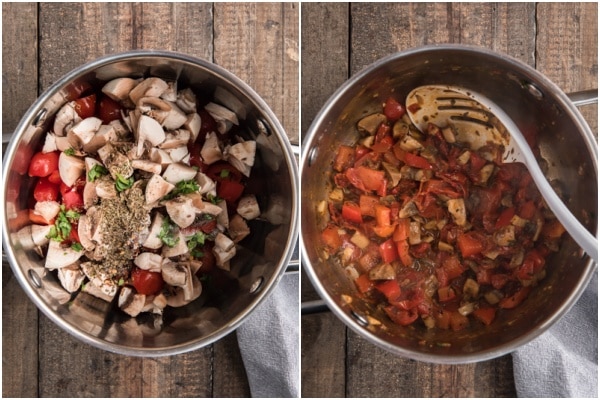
(123, 183)
(224, 173)
(77, 246)
(62, 225)
(183, 187)
(121, 282)
(96, 172)
(70, 151)
(214, 199)
(167, 233)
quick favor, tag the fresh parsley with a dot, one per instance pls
(76, 246)
(168, 233)
(123, 183)
(183, 187)
(224, 173)
(196, 241)
(61, 230)
(96, 172)
(213, 199)
(70, 151)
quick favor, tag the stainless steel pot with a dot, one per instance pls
(255, 271)
(533, 101)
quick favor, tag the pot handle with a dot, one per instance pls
(584, 97)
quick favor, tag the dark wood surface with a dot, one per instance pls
(338, 40)
(41, 42)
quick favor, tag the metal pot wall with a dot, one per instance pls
(256, 269)
(566, 143)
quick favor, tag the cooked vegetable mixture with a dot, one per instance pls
(140, 192)
(433, 232)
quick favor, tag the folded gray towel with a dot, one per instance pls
(563, 362)
(269, 342)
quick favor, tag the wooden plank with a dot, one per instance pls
(568, 49)
(324, 59)
(261, 55)
(117, 27)
(325, 28)
(19, 90)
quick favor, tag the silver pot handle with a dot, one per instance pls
(584, 97)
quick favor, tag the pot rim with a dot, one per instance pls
(28, 119)
(307, 154)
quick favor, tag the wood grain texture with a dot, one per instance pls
(70, 34)
(19, 90)
(264, 56)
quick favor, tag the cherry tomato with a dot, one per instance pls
(147, 282)
(207, 124)
(43, 164)
(86, 106)
(45, 190)
(222, 170)
(195, 158)
(54, 177)
(73, 200)
(75, 89)
(393, 110)
(108, 109)
(229, 190)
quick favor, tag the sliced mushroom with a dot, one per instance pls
(155, 108)
(207, 185)
(223, 216)
(59, 256)
(160, 156)
(178, 172)
(186, 100)
(177, 138)
(121, 129)
(105, 134)
(369, 124)
(149, 87)
(83, 132)
(148, 130)
(105, 189)
(238, 229)
(223, 256)
(178, 298)
(131, 302)
(153, 241)
(408, 210)
(241, 156)
(224, 117)
(393, 172)
(409, 143)
(505, 236)
(148, 166)
(49, 143)
(382, 272)
(174, 274)
(70, 168)
(179, 154)
(84, 230)
(192, 124)
(248, 207)
(456, 208)
(118, 89)
(175, 118)
(181, 211)
(149, 261)
(229, 100)
(39, 234)
(47, 209)
(171, 93)
(65, 118)
(211, 152)
(71, 277)
(157, 188)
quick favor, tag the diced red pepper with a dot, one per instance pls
(446, 293)
(485, 314)
(331, 237)
(390, 289)
(515, 299)
(388, 251)
(469, 245)
(416, 161)
(458, 322)
(505, 217)
(403, 252)
(383, 215)
(367, 204)
(351, 212)
(401, 317)
(527, 210)
(344, 158)
(363, 283)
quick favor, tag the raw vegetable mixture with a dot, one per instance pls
(140, 192)
(433, 232)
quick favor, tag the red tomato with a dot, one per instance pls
(73, 200)
(147, 282)
(43, 164)
(393, 110)
(416, 161)
(45, 190)
(229, 190)
(75, 89)
(207, 124)
(54, 177)
(390, 289)
(86, 106)
(222, 170)
(108, 109)
(401, 317)
(363, 283)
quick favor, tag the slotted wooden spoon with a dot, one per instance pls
(477, 120)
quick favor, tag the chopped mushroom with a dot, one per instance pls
(176, 138)
(382, 272)
(181, 211)
(369, 124)
(149, 261)
(65, 118)
(248, 207)
(224, 117)
(148, 166)
(178, 172)
(456, 208)
(71, 277)
(148, 130)
(180, 247)
(241, 155)
(70, 168)
(59, 256)
(174, 274)
(186, 100)
(118, 89)
(131, 302)
(47, 209)
(157, 188)
(192, 124)
(83, 132)
(211, 152)
(175, 118)
(238, 229)
(153, 241)
(149, 87)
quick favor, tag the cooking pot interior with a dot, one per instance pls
(261, 258)
(569, 159)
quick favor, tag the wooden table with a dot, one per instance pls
(338, 40)
(43, 41)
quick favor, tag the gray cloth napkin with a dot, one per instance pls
(563, 362)
(269, 342)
